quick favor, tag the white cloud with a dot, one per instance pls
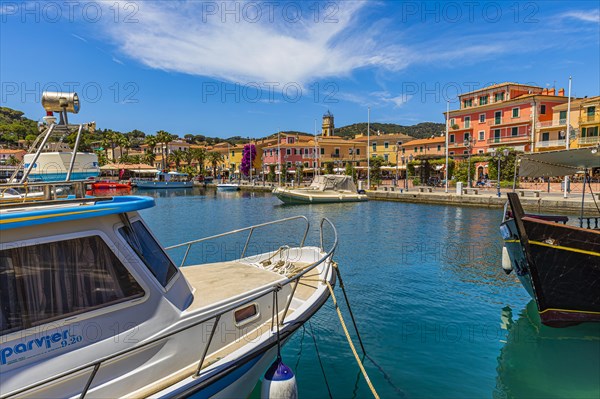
(585, 16)
(184, 37)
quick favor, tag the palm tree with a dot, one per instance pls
(12, 161)
(123, 143)
(214, 158)
(151, 142)
(199, 154)
(164, 138)
(176, 157)
(149, 157)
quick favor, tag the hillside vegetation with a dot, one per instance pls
(421, 130)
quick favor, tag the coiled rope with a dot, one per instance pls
(358, 360)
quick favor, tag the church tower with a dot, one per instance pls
(328, 127)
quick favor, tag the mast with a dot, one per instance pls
(568, 139)
(368, 148)
(447, 121)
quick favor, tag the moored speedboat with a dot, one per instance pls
(165, 180)
(93, 306)
(558, 264)
(323, 189)
(110, 185)
(228, 187)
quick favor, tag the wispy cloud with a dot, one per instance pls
(186, 38)
(585, 16)
(79, 37)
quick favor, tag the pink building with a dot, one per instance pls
(500, 115)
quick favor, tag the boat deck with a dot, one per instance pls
(237, 278)
(232, 278)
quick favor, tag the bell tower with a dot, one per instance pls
(328, 126)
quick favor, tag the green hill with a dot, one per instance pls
(420, 131)
(14, 126)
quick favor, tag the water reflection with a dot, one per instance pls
(171, 192)
(544, 362)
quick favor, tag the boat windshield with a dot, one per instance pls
(44, 282)
(149, 251)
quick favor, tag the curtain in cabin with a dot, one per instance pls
(43, 282)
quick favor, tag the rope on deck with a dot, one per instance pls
(360, 365)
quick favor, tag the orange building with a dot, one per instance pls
(501, 115)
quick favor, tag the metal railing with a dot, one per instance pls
(504, 139)
(553, 123)
(250, 231)
(49, 189)
(589, 140)
(551, 143)
(273, 289)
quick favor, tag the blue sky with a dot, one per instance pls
(251, 68)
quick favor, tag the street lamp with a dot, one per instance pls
(498, 156)
(468, 147)
(410, 159)
(396, 183)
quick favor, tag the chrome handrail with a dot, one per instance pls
(250, 230)
(269, 290)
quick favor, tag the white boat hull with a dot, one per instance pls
(314, 197)
(228, 187)
(53, 166)
(163, 184)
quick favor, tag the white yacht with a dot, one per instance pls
(323, 189)
(93, 306)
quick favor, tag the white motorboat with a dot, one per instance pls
(228, 187)
(165, 180)
(93, 306)
(323, 189)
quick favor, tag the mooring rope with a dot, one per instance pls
(360, 364)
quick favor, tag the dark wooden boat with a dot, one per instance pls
(557, 263)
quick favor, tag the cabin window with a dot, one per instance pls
(150, 252)
(44, 282)
(245, 314)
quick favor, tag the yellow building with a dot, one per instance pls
(589, 122)
(386, 146)
(584, 121)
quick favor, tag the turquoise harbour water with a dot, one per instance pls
(436, 312)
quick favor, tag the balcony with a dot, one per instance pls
(508, 121)
(551, 143)
(589, 119)
(509, 139)
(547, 124)
(589, 140)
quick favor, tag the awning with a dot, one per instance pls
(558, 163)
(149, 171)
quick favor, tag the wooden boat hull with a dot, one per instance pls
(559, 266)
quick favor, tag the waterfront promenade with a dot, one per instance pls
(485, 198)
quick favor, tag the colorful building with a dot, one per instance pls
(501, 115)
(584, 121)
(387, 146)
